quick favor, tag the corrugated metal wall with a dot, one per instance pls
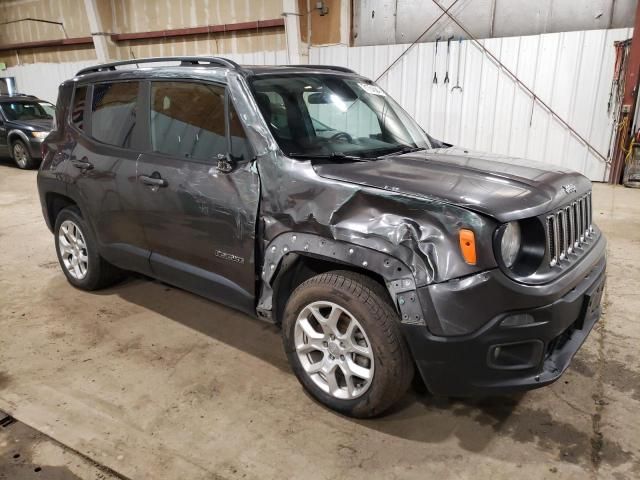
(127, 16)
(571, 72)
(381, 22)
(42, 79)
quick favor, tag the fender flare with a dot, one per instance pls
(11, 134)
(398, 277)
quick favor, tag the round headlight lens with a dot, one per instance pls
(510, 244)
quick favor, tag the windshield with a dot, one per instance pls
(49, 108)
(327, 115)
(25, 111)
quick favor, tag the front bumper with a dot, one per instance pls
(34, 147)
(502, 358)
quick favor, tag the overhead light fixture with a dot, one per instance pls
(322, 8)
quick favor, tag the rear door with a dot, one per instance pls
(105, 141)
(199, 220)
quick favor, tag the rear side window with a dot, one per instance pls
(77, 109)
(187, 119)
(113, 112)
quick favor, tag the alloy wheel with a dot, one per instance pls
(20, 154)
(334, 350)
(73, 249)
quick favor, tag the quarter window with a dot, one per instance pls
(77, 109)
(113, 116)
(187, 119)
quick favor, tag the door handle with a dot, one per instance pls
(153, 181)
(82, 164)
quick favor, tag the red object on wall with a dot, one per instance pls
(630, 96)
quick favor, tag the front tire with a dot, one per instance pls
(78, 255)
(343, 341)
(22, 156)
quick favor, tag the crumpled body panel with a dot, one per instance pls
(421, 233)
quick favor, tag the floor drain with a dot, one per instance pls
(6, 421)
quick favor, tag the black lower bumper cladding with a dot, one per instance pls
(504, 355)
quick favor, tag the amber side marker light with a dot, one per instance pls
(468, 245)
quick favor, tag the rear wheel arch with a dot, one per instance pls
(55, 203)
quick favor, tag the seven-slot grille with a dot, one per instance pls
(568, 229)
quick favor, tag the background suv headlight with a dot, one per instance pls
(40, 135)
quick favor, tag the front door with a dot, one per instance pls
(199, 221)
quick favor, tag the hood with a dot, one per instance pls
(504, 188)
(34, 125)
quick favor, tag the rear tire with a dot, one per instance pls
(22, 156)
(77, 252)
(342, 337)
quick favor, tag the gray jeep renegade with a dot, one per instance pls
(305, 196)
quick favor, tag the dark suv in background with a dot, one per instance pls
(305, 196)
(25, 121)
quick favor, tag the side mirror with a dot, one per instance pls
(319, 98)
(225, 163)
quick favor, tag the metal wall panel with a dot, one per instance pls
(43, 79)
(382, 22)
(571, 72)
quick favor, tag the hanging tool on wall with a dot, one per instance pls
(457, 85)
(446, 75)
(617, 84)
(435, 55)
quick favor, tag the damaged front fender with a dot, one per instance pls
(376, 229)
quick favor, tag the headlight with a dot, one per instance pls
(40, 135)
(510, 243)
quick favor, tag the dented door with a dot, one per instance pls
(198, 220)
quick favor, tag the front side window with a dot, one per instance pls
(330, 114)
(77, 109)
(113, 116)
(22, 110)
(239, 141)
(188, 119)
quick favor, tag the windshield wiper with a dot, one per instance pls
(403, 150)
(327, 156)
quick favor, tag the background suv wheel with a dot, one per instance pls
(343, 341)
(21, 155)
(78, 254)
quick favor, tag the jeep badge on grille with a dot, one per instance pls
(569, 188)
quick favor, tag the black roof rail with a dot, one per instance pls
(184, 62)
(326, 67)
(16, 94)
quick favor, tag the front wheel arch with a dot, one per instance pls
(297, 268)
(280, 257)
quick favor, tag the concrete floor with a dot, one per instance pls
(153, 382)
(26, 454)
